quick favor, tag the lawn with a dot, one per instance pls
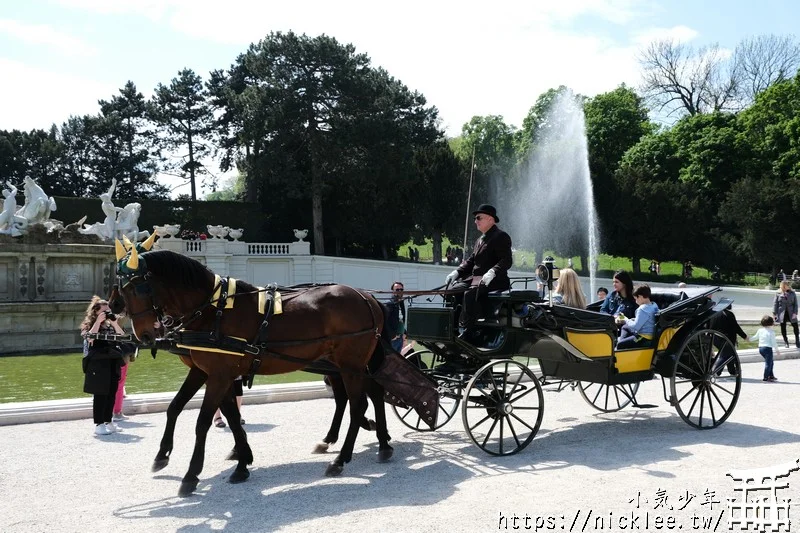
(607, 265)
(54, 377)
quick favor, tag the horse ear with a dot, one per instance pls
(119, 249)
(133, 260)
(127, 242)
(149, 242)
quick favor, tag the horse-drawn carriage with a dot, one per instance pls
(501, 398)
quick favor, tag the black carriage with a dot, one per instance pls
(492, 379)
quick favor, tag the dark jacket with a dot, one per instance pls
(395, 317)
(103, 362)
(492, 250)
(725, 322)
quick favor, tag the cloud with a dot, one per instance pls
(27, 98)
(43, 34)
(681, 34)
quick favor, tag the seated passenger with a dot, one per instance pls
(639, 330)
(620, 301)
(568, 290)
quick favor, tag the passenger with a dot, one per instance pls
(483, 271)
(568, 290)
(620, 301)
(643, 327)
(602, 292)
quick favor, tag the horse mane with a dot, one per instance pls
(177, 270)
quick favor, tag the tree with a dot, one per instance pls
(535, 122)
(184, 121)
(765, 60)
(678, 78)
(124, 141)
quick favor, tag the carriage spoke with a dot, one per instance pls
(489, 434)
(521, 421)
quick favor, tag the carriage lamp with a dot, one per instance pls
(547, 272)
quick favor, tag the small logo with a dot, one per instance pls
(756, 505)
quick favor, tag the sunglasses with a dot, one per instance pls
(399, 290)
(478, 217)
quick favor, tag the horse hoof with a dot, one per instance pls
(322, 447)
(333, 470)
(233, 456)
(239, 476)
(187, 488)
(385, 455)
(160, 464)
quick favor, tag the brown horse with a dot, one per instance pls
(339, 324)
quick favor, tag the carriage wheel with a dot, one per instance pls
(608, 398)
(706, 380)
(448, 401)
(503, 407)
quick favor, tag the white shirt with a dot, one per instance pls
(766, 338)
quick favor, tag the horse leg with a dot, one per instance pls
(354, 384)
(215, 392)
(375, 392)
(241, 450)
(340, 397)
(194, 380)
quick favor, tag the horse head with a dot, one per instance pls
(158, 287)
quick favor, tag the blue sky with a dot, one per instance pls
(58, 57)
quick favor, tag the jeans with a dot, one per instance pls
(766, 353)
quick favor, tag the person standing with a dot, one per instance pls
(101, 363)
(767, 346)
(784, 309)
(485, 270)
(396, 317)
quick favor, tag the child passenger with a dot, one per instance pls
(641, 328)
(767, 345)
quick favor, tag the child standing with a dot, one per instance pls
(641, 328)
(767, 343)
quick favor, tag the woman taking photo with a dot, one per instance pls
(102, 360)
(784, 308)
(620, 301)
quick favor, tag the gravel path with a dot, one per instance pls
(57, 476)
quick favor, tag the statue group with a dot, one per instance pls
(36, 210)
(119, 221)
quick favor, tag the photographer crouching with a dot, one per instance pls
(103, 359)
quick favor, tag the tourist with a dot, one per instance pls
(639, 330)
(485, 270)
(620, 301)
(568, 290)
(101, 363)
(602, 292)
(784, 309)
(238, 391)
(767, 346)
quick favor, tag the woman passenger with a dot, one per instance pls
(620, 301)
(568, 290)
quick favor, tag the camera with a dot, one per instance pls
(110, 315)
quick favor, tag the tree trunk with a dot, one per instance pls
(384, 252)
(191, 165)
(586, 268)
(437, 246)
(637, 268)
(250, 187)
(316, 214)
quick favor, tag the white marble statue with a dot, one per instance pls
(106, 230)
(128, 223)
(38, 205)
(9, 224)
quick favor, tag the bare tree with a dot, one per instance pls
(764, 60)
(678, 78)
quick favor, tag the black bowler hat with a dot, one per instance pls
(487, 209)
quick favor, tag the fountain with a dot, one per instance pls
(552, 204)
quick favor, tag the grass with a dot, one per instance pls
(671, 271)
(56, 377)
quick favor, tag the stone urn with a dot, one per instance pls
(236, 233)
(218, 232)
(167, 231)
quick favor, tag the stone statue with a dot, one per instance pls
(107, 229)
(300, 234)
(128, 223)
(8, 219)
(37, 206)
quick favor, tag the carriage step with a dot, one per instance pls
(644, 405)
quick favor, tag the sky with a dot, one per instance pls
(59, 57)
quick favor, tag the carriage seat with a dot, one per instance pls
(666, 299)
